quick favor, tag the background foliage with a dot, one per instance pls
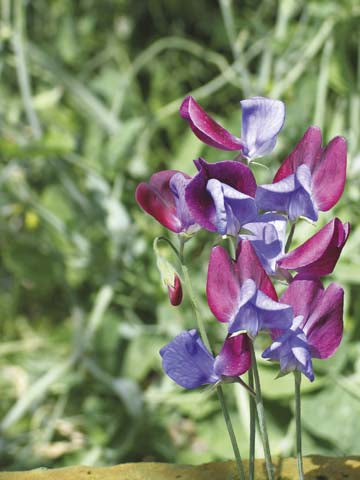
(89, 96)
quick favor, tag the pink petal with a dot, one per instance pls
(234, 358)
(222, 288)
(206, 129)
(329, 174)
(150, 200)
(307, 151)
(324, 327)
(248, 266)
(319, 254)
(302, 294)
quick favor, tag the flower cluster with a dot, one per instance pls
(224, 198)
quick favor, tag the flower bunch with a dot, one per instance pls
(306, 322)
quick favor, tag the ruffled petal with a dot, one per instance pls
(262, 120)
(206, 129)
(291, 195)
(302, 294)
(329, 174)
(307, 151)
(318, 255)
(198, 198)
(234, 358)
(324, 327)
(267, 236)
(187, 361)
(232, 208)
(223, 287)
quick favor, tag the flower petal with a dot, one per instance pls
(267, 236)
(234, 358)
(232, 208)
(302, 294)
(262, 120)
(318, 255)
(206, 129)
(329, 174)
(291, 195)
(157, 199)
(200, 201)
(248, 266)
(324, 327)
(187, 361)
(223, 287)
(307, 151)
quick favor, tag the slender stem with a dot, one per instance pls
(290, 237)
(261, 416)
(203, 334)
(297, 376)
(252, 428)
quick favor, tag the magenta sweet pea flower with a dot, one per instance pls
(164, 198)
(241, 294)
(319, 254)
(220, 197)
(187, 361)
(312, 178)
(262, 120)
(318, 327)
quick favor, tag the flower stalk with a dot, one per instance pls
(297, 377)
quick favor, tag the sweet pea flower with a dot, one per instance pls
(262, 120)
(164, 198)
(317, 328)
(267, 235)
(312, 178)
(318, 255)
(187, 361)
(241, 294)
(220, 197)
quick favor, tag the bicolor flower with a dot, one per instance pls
(220, 197)
(164, 198)
(319, 315)
(187, 361)
(318, 255)
(312, 178)
(267, 236)
(241, 294)
(262, 120)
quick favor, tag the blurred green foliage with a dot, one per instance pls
(89, 95)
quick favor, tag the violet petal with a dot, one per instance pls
(262, 120)
(187, 361)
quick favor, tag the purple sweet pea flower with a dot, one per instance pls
(262, 120)
(241, 294)
(220, 197)
(187, 361)
(311, 178)
(164, 198)
(267, 236)
(321, 322)
(318, 255)
(292, 351)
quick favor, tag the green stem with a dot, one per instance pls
(261, 416)
(290, 237)
(252, 427)
(205, 339)
(297, 376)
